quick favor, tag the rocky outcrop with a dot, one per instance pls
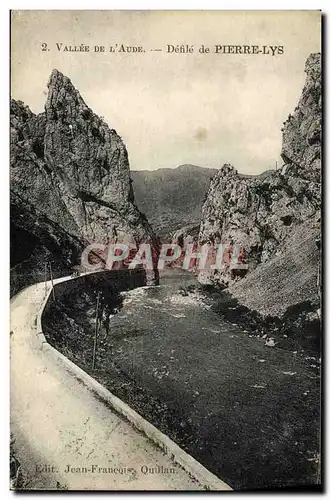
(70, 178)
(186, 235)
(260, 213)
(301, 146)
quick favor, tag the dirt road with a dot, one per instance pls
(65, 437)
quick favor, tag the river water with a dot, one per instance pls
(248, 412)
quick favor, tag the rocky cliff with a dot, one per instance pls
(301, 147)
(261, 213)
(70, 181)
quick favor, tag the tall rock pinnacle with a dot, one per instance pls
(69, 166)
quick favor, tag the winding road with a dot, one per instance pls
(65, 437)
(247, 412)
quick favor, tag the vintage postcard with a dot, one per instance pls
(165, 192)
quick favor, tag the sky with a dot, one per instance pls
(170, 108)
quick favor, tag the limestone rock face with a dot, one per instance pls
(31, 177)
(302, 130)
(261, 212)
(69, 166)
(90, 163)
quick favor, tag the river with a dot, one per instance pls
(248, 412)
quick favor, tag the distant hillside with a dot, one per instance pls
(171, 198)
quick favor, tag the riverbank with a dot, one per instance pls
(298, 329)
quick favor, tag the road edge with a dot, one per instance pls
(196, 470)
(177, 455)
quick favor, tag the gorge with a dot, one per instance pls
(227, 366)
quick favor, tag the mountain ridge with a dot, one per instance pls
(171, 197)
